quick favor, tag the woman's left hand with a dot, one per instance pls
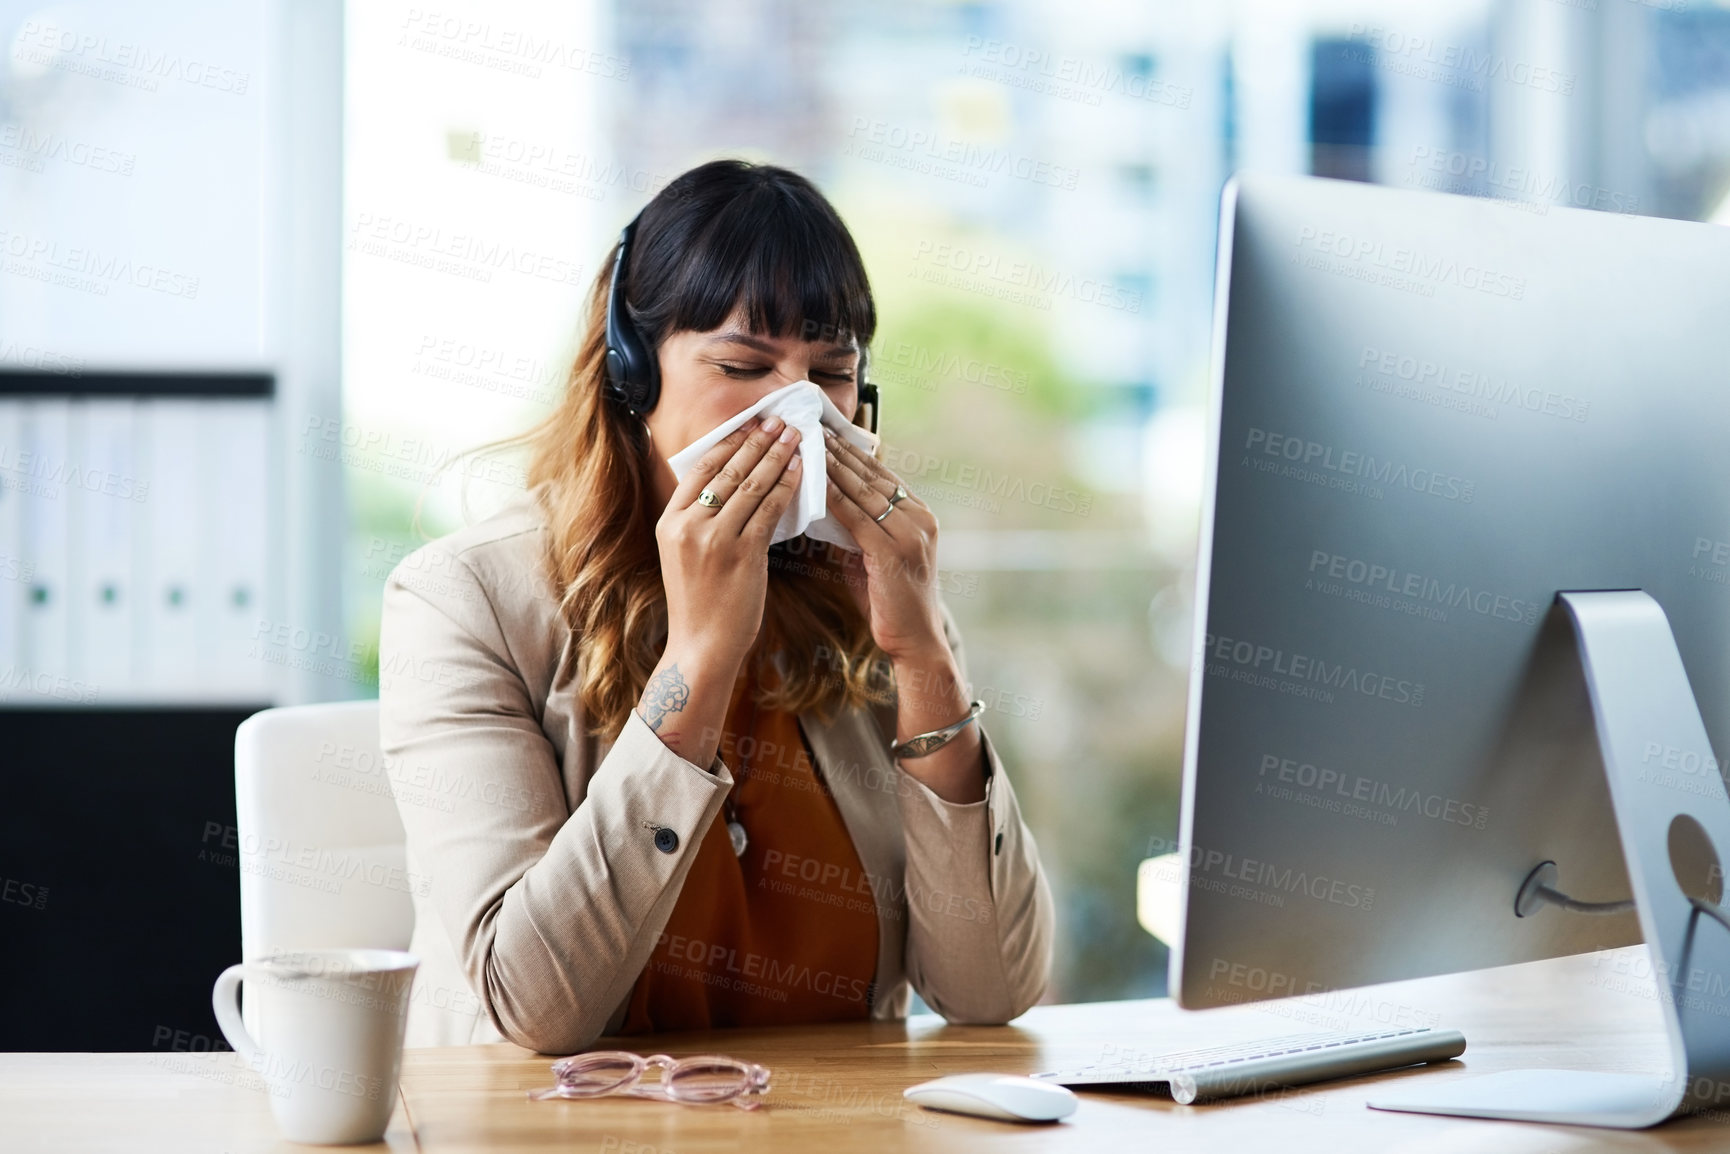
(897, 565)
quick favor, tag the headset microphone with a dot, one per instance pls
(867, 395)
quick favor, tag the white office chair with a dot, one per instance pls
(320, 843)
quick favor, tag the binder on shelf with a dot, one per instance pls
(44, 525)
(15, 570)
(134, 539)
(104, 490)
(173, 578)
(237, 456)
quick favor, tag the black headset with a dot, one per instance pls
(633, 374)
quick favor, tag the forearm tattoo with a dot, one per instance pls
(665, 693)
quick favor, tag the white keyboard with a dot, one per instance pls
(1255, 1067)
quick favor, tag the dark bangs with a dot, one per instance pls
(733, 235)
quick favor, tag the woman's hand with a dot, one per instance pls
(894, 577)
(898, 564)
(715, 568)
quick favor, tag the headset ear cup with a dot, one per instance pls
(633, 377)
(647, 377)
(632, 371)
(616, 376)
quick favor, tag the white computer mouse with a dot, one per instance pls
(1008, 1097)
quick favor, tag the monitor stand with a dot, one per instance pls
(1644, 708)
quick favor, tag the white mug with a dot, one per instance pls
(330, 1026)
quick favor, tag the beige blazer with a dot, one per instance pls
(540, 891)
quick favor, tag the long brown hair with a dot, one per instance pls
(726, 235)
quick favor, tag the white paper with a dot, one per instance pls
(808, 409)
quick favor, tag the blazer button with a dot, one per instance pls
(666, 840)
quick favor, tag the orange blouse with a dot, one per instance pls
(786, 933)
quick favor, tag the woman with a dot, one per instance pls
(652, 752)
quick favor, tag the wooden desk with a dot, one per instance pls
(837, 1089)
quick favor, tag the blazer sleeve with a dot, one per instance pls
(553, 913)
(980, 915)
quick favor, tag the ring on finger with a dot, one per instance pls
(709, 499)
(879, 517)
(899, 495)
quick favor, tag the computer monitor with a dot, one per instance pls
(1431, 415)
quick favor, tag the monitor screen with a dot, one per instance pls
(1431, 414)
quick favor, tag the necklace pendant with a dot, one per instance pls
(736, 833)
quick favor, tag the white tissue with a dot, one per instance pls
(807, 408)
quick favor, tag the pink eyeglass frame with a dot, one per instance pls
(753, 1079)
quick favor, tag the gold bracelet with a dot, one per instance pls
(921, 744)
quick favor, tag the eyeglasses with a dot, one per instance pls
(700, 1080)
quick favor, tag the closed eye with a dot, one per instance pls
(747, 372)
